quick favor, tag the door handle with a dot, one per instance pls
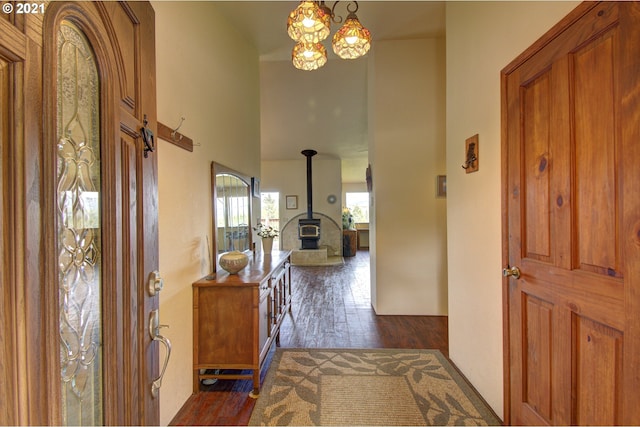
(154, 331)
(511, 271)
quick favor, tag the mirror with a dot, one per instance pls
(231, 210)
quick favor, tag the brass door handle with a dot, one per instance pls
(154, 331)
(511, 271)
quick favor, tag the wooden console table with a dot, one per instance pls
(236, 318)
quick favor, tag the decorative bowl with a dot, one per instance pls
(233, 261)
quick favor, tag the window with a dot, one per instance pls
(270, 210)
(358, 204)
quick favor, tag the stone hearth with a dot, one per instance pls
(309, 256)
(330, 235)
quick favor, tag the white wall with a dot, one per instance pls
(211, 78)
(407, 152)
(482, 38)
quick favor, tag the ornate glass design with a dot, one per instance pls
(352, 40)
(308, 56)
(309, 23)
(78, 228)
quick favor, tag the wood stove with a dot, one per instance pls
(309, 228)
(309, 232)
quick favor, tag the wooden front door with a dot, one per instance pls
(571, 215)
(78, 212)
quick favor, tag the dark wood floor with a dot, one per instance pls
(331, 309)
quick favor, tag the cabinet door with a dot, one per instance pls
(275, 307)
(279, 294)
(286, 287)
(264, 324)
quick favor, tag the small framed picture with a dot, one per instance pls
(441, 186)
(292, 202)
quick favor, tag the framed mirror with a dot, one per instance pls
(231, 210)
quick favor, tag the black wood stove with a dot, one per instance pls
(309, 228)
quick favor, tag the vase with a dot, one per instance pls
(267, 245)
(233, 261)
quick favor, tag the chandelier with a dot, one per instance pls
(310, 23)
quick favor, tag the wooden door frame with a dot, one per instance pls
(538, 45)
(23, 303)
(30, 393)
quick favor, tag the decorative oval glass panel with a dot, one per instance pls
(78, 228)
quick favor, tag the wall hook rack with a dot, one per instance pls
(472, 153)
(469, 162)
(174, 134)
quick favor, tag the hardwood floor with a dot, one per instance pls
(331, 309)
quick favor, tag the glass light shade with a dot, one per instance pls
(309, 56)
(309, 23)
(352, 40)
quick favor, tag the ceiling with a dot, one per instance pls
(326, 109)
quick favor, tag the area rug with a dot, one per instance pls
(369, 387)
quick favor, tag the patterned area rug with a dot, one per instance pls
(367, 387)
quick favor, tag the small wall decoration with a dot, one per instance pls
(441, 186)
(369, 179)
(292, 202)
(255, 187)
(472, 151)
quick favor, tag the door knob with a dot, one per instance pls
(511, 271)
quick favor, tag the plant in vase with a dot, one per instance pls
(348, 222)
(267, 233)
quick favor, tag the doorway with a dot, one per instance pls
(357, 204)
(270, 212)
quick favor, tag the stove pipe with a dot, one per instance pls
(309, 154)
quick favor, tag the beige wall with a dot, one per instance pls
(482, 38)
(289, 177)
(210, 78)
(407, 152)
(349, 187)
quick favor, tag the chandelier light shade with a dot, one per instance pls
(309, 56)
(352, 40)
(309, 23)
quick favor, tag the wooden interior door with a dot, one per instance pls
(571, 222)
(79, 207)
